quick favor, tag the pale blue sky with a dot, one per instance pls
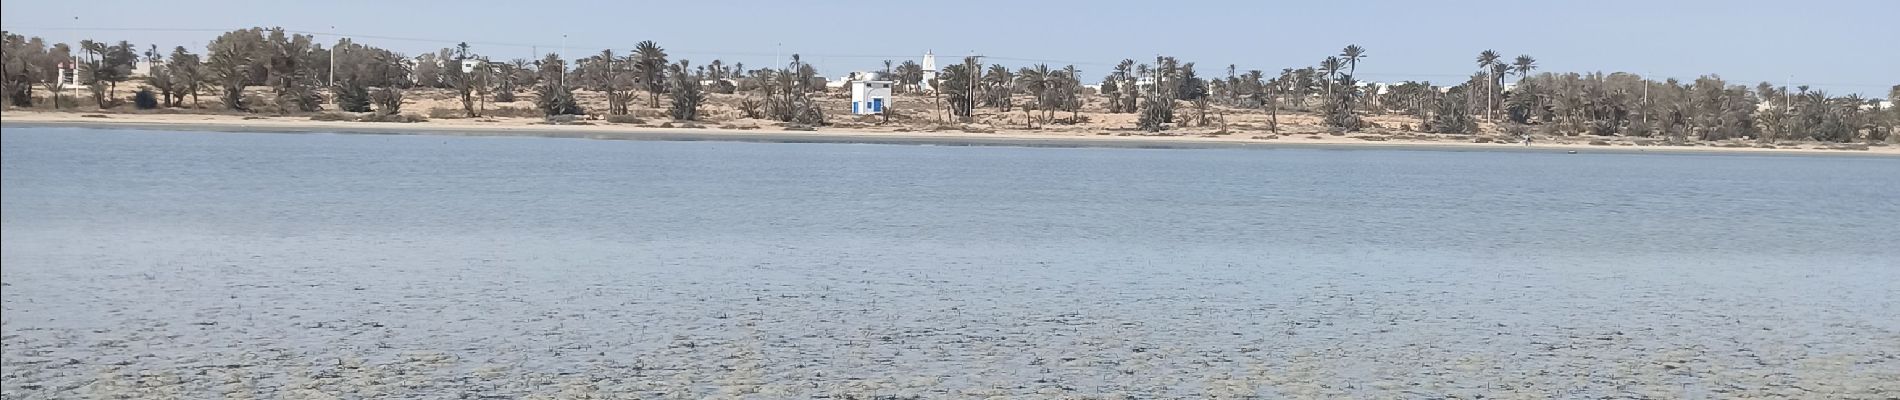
(1842, 46)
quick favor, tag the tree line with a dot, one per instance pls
(1622, 104)
(1511, 95)
(299, 72)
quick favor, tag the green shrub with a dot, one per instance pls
(388, 100)
(1155, 113)
(352, 97)
(144, 99)
(557, 99)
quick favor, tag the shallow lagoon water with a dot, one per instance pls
(196, 265)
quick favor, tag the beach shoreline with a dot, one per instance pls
(517, 127)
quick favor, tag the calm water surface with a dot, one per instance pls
(162, 251)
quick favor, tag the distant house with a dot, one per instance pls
(869, 97)
(1141, 83)
(1377, 88)
(715, 82)
(846, 80)
(842, 81)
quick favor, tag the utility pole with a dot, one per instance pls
(976, 64)
(563, 59)
(75, 68)
(333, 50)
(1646, 106)
(1787, 95)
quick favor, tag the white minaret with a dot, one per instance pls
(930, 71)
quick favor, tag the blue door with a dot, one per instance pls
(877, 105)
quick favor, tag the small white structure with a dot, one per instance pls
(469, 64)
(870, 97)
(69, 72)
(845, 81)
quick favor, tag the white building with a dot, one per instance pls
(870, 97)
(845, 81)
(1377, 88)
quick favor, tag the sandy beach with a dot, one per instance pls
(764, 131)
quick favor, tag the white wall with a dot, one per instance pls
(870, 97)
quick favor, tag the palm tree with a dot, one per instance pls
(1524, 65)
(650, 63)
(1125, 97)
(1167, 74)
(1301, 84)
(1332, 65)
(957, 85)
(1071, 85)
(604, 75)
(1486, 59)
(1499, 70)
(999, 84)
(1274, 91)
(717, 70)
(1352, 54)
(1035, 81)
(909, 74)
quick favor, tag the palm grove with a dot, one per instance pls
(1502, 95)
